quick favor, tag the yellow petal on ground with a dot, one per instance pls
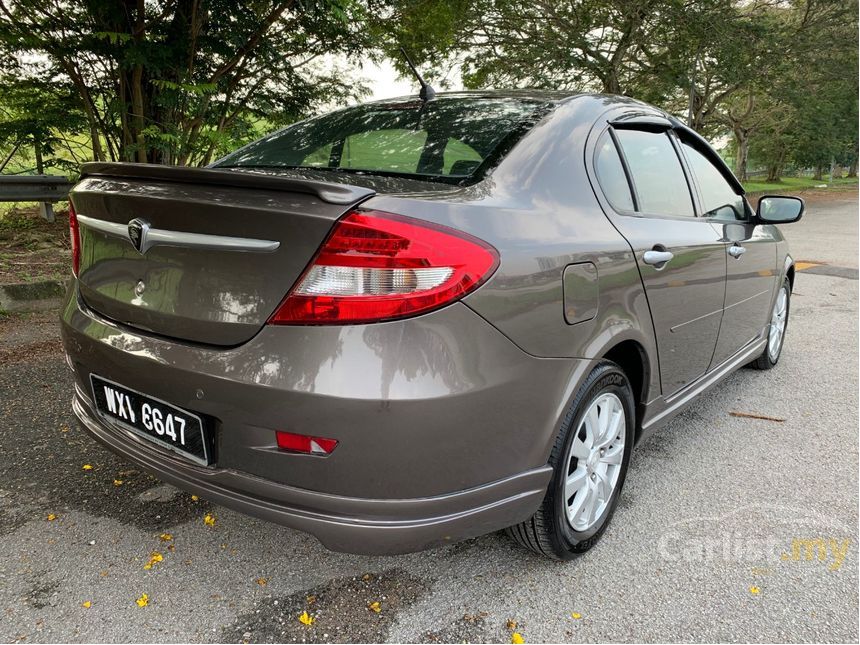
(194, 498)
(154, 558)
(51, 517)
(575, 615)
(375, 606)
(86, 604)
(118, 482)
(87, 467)
(262, 581)
(143, 601)
(209, 520)
(517, 638)
(755, 590)
(165, 537)
(306, 619)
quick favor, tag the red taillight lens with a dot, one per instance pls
(303, 443)
(75, 237)
(379, 266)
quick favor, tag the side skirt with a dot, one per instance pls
(665, 410)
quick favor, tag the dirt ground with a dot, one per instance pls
(31, 248)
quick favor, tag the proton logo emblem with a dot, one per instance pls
(137, 230)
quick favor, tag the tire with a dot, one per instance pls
(769, 358)
(549, 531)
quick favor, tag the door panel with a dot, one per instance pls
(750, 280)
(686, 295)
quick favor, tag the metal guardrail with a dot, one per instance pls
(45, 189)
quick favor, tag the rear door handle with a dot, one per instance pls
(736, 251)
(657, 258)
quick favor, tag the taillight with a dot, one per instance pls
(379, 266)
(75, 237)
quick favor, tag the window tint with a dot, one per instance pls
(446, 139)
(657, 174)
(719, 200)
(610, 175)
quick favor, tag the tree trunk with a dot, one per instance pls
(852, 169)
(40, 167)
(742, 153)
(837, 171)
(818, 173)
(774, 174)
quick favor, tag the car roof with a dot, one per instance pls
(549, 96)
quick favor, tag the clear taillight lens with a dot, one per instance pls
(379, 266)
(75, 237)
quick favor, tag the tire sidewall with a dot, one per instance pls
(610, 379)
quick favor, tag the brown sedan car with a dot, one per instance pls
(410, 322)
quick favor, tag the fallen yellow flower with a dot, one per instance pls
(194, 498)
(153, 559)
(575, 615)
(165, 537)
(87, 467)
(517, 639)
(306, 619)
(755, 590)
(262, 581)
(375, 606)
(51, 517)
(209, 520)
(143, 601)
(86, 604)
(118, 482)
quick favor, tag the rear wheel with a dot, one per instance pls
(776, 329)
(589, 459)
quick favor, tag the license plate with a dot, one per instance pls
(160, 422)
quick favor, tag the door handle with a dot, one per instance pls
(736, 251)
(657, 258)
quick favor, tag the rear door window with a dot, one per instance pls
(657, 174)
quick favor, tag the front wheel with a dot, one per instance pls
(776, 329)
(589, 459)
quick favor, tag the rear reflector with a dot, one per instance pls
(75, 238)
(379, 266)
(303, 443)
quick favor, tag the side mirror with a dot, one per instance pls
(779, 209)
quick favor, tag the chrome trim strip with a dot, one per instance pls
(163, 237)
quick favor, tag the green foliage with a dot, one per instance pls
(182, 81)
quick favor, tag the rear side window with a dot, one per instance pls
(448, 139)
(657, 173)
(611, 175)
(719, 200)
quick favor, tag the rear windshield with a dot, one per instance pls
(452, 140)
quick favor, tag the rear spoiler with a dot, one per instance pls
(268, 179)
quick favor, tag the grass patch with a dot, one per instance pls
(796, 183)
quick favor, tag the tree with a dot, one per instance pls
(41, 117)
(180, 81)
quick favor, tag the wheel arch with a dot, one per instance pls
(630, 355)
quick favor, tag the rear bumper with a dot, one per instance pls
(347, 524)
(444, 425)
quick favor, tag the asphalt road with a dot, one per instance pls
(707, 544)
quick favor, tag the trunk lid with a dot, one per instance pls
(197, 254)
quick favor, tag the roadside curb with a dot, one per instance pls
(33, 296)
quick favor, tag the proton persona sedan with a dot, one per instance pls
(414, 321)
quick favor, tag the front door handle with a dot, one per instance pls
(736, 251)
(657, 258)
